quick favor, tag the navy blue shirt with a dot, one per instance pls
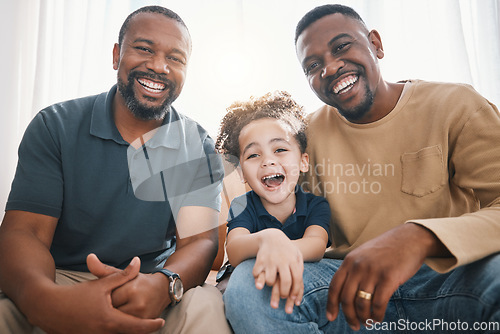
(74, 165)
(248, 212)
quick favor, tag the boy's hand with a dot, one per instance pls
(279, 264)
(293, 298)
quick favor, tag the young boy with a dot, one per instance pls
(276, 222)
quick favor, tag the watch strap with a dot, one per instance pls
(171, 278)
(224, 272)
(170, 274)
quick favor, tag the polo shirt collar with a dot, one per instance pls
(300, 204)
(259, 207)
(103, 124)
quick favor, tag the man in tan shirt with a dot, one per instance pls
(412, 174)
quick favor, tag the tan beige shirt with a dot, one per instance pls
(434, 160)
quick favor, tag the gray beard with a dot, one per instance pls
(138, 109)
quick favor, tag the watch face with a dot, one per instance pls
(223, 272)
(220, 273)
(178, 289)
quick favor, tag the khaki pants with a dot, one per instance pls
(200, 311)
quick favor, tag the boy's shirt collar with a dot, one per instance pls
(300, 205)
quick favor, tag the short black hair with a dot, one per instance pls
(148, 9)
(321, 11)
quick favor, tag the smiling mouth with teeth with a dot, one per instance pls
(151, 86)
(273, 180)
(345, 85)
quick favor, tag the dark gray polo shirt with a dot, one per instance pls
(73, 165)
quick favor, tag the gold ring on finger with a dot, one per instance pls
(364, 295)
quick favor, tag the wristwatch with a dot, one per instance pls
(175, 287)
(225, 271)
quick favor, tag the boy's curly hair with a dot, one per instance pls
(278, 105)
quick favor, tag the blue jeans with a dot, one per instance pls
(465, 300)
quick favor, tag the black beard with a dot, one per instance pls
(360, 111)
(140, 110)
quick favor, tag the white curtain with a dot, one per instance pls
(56, 50)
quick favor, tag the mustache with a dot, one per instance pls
(162, 78)
(337, 75)
(334, 77)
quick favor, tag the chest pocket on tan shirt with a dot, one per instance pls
(422, 171)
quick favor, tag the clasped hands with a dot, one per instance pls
(118, 301)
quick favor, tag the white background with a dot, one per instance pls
(57, 50)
